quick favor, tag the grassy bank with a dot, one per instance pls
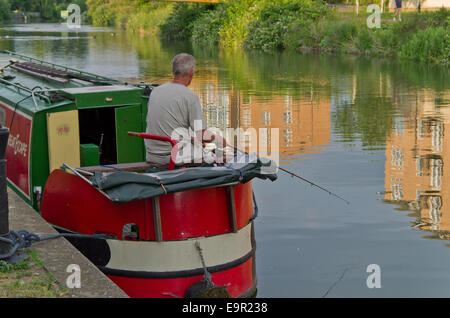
(313, 26)
(28, 279)
(304, 25)
(135, 15)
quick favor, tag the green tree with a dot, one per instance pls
(180, 23)
(47, 8)
(24, 5)
(4, 10)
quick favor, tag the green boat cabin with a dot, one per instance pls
(58, 115)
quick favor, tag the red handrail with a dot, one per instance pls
(173, 142)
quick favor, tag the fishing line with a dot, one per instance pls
(306, 180)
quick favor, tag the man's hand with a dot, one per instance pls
(207, 136)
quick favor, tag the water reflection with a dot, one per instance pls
(415, 157)
(311, 100)
(245, 90)
(303, 124)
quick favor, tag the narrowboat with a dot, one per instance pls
(76, 154)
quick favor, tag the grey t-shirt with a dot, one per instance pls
(170, 106)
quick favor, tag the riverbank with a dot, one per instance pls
(136, 16)
(50, 264)
(305, 25)
(29, 278)
(19, 11)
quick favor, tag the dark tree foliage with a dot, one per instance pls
(49, 9)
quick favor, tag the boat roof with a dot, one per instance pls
(95, 89)
(40, 85)
(27, 80)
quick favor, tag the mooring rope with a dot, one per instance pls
(207, 275)
(23, 239)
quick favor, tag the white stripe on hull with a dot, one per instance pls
(168, 256)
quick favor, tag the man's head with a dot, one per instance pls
(183, 68)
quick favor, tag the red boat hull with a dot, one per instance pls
(232, 278)
(199, 215)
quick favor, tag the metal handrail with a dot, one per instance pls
(26, 89)
(66, 166)
(172, 141)
(31, 59)
(82, 75)
(106, 80)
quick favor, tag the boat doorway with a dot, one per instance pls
(107, 129)
(97, 128)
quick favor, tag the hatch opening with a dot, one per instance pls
(97, 126)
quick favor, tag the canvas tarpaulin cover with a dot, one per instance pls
(124, 186)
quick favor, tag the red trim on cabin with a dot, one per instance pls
(18, 149)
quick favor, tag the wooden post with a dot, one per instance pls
(231, 208)
(157, 219)
(357, 7)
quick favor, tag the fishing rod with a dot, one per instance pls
(313, 184)
(301, 178)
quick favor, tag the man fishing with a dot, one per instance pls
(173, 106)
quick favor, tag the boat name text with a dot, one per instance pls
(18, 146)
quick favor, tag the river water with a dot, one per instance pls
(372, 131)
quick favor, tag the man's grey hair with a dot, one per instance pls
(183, 64)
